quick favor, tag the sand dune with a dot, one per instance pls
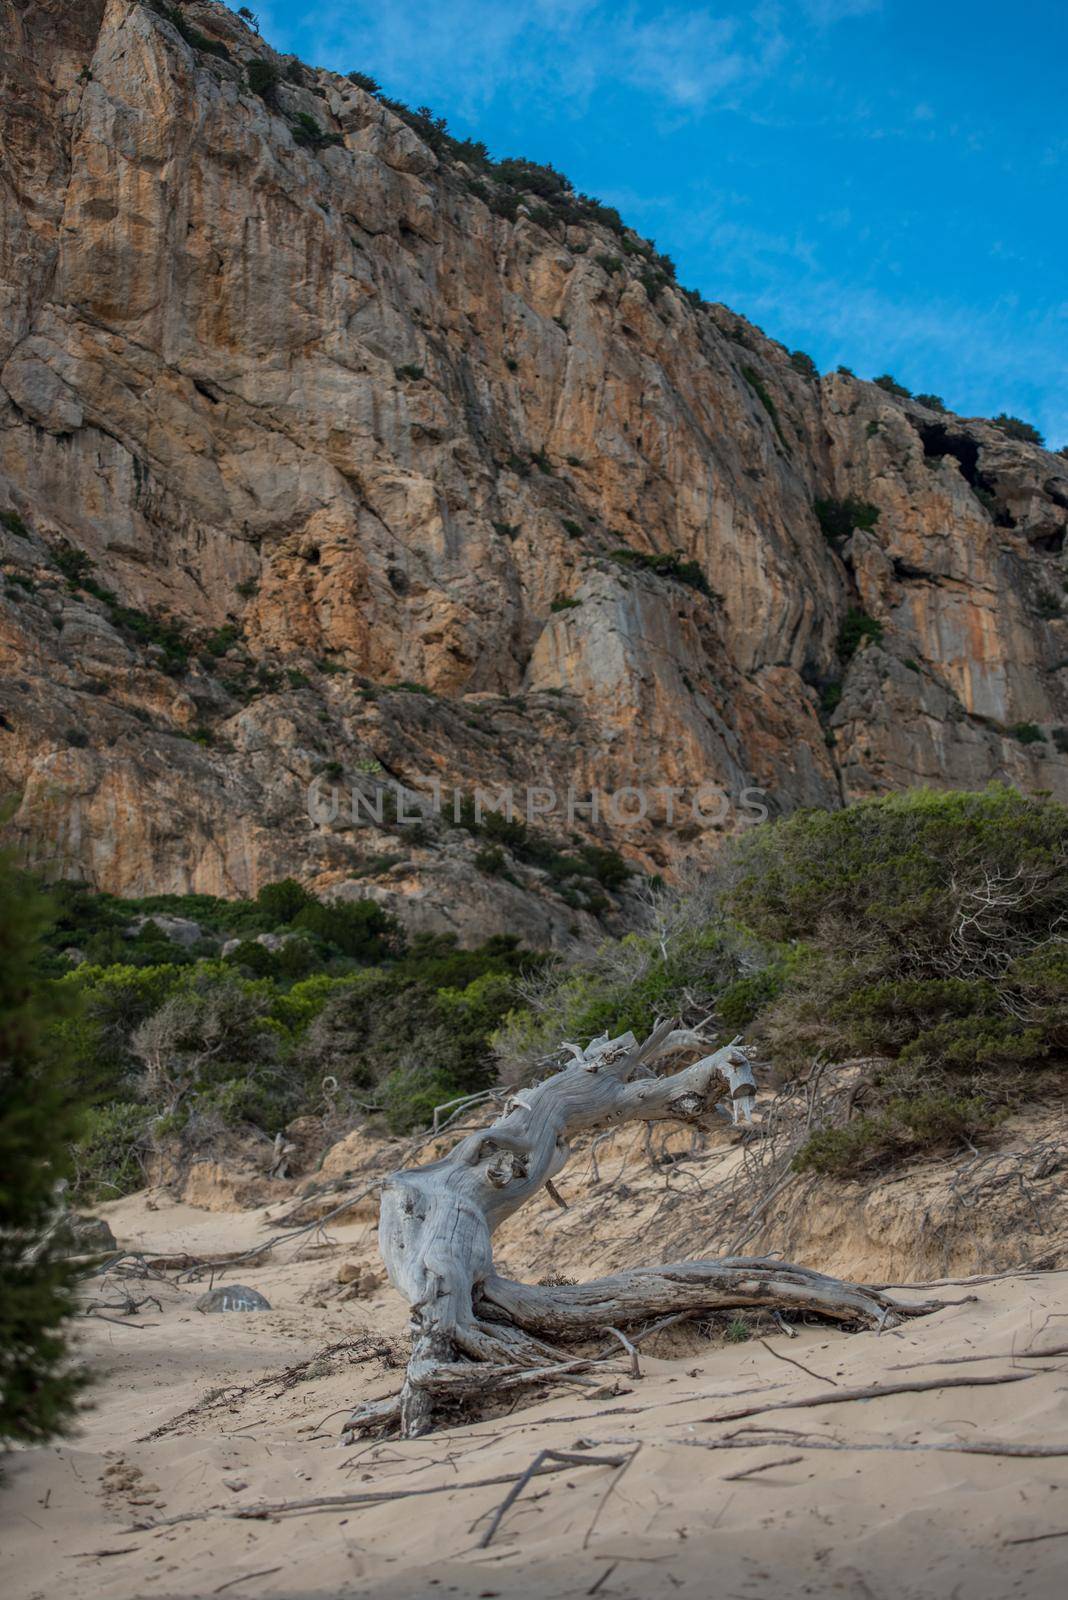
(199, 1414)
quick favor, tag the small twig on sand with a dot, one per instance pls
(600, 1582)
(98, 1555)
(664, 1322)
(98, 1316)
(613, 1485)
(287, 1238)
(799, 1364)
(997, 1355)
(544, 1461)
(246, 1577)
(1037, 1538)
(762, 1466)
(635, 1368)
(966, 1283)
(874, 1391)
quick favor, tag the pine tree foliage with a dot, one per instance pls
(38, 1382)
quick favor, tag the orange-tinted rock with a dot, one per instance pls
(308, 396)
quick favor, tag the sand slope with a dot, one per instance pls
(851, 1522)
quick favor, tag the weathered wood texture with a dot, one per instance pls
(474, 1332)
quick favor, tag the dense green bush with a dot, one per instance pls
(399, 1046)
(14, 524)
(804, 364)
(902, 1127)
(359, 929)
(607, 867)
(38, 1387)
(75, 565)
(933, 402)
(283, 900)
(309, 135)
(891, 385)
(918, 933)
(192, 36)
(665, 566)
(1016, 428)
(922, 927)
(856, 627)
(165, 1036)
(108, 1154)
(839, 518)
(263, 78)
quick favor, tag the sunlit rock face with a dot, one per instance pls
(324, 409)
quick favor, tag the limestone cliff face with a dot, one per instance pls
(351, 429)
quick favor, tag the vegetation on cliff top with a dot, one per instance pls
(506, 183)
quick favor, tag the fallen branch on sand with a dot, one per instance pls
(874, 1391)
(556, 1461)
(997, 1355)
(437, 1222)
(966, 1447)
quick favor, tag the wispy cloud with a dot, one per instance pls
(981, 362)
(817, 183)
(466, 52)
(827, 12)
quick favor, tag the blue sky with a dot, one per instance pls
(879, 182)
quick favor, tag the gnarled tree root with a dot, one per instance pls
(581, 1311)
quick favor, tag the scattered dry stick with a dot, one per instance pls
(635, 1369)
(997, 1355)
(627, 1462)
(873, 1391)
(800, 1365)
(565, 1458)
(966, 1447)
(344, 1502)
(762, 1466)
(246, 1577)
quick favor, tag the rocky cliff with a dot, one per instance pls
(327, 449)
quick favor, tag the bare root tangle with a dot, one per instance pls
(475, 1335)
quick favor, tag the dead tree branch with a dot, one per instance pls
(474, 1332)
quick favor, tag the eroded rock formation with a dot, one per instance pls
(373, 449)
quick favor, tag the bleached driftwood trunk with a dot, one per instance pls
(474, 1332)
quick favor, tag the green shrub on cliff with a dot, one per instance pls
(919, 932)
(839, 518)
(856, 627)
(263, 78)
(1016, 428)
